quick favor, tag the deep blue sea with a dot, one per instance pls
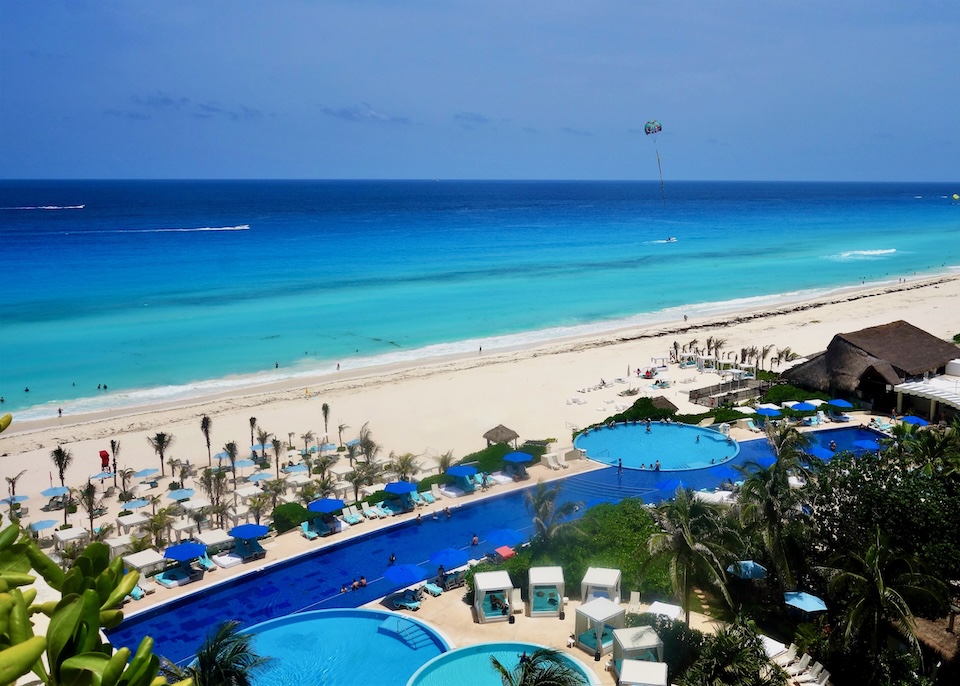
(166, 290)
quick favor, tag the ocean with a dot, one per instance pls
(171, 290)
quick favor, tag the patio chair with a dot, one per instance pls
(820, 680)
(786, 657)
(432, 589)
(799, 667)
(809, 676)
(206, 564)
(417, 499)
(753, 427)
(634, 606)
(349, 517)
(370, 513)
(402, 603)
(427, 497)
(550, 459)
(435, 490)
(307, 532)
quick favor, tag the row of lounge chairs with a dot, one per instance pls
(410, 598)
(800, 671)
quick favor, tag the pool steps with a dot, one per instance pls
(406, 631)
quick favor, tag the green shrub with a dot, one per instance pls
(681, 644)
(289, 516)
(490, 459)
(785, 391)
(425, 484)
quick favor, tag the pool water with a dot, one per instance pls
(677, 447)
(344, 648)
(471, 665)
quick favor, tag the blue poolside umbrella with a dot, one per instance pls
(295, 468)
(804, 602)
(43, 524)
(326, 505)
(9, 500)
(768, 412)
(400, 487)
(328, 446)
(462, 470)
(518, 457)
(818, 452)
(145, 472)
(839, 402)
(259, 476)
(803, 407)
(508, 537)
(404, 575)
(181, 494)
(867, 444)
(910, 419)
(258, 447)
(448, 558)
(101, 475)
(221, 455)
(355, 441)
(55, 491)
(243, 464)
(185, 552)
(135, 504)
(748, 569)
(247, 532)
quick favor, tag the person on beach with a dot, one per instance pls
(59, 411)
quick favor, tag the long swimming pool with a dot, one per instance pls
(312, 581)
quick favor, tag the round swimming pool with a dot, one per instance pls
(640, 446)
(471, 665)
(345, 648)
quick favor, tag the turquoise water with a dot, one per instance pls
(344, 648)
(167, 291)
(471, 665)
(675, 446)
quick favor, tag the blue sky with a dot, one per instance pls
(806, 90)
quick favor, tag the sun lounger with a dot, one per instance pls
(838, 417)
(785, 658)
(401, 603)
(227, 560)
(798, 667)
(417, 499)
(370, 512)
(206, 564)
(435, 490)
(752, 426)
(550, 459)
(388, 507)
(432, 589)
(307, 532)
(350, 517)
(428, 497)
(810, 675)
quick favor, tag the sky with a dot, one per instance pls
(806, 90)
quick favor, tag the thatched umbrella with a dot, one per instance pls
(501, 434)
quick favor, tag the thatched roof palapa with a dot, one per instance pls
(662, 403)
(501, 434)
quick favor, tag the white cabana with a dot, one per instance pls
(195, 504)
(214, 538)
(600, 582)
(641, 673)
(595, 624)
(145, 560)
(665, 609)
(637, 643)
(134, 519)
(546, 591)
(118, 545)
(491, 593)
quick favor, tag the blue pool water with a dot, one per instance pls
(471, 665)
(312, 581)
(335, 647)
(676, 446)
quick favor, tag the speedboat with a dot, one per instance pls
(672, 239)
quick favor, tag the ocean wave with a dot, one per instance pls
(241, 227)
(850, 255)
(46, 207)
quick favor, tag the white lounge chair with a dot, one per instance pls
(550, 459)
(437, 493)
(820, 680)
(785, 658)
(809, 676)
(799, 667)
(634, 606)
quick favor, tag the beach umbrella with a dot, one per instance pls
(803, 407)
(328, 446)
(400, 487)
(181, 494)
(804, 601)
(313, 449)
(221, 456)
(295, 468)
(867, 444)
(146, 472)
(243, 464)
(258, 447)
(404, 575)
(818, 452)
(355, 441)
(101, 475)
(246, 532)
(136, 504)
(462, 470)
(55, 491)
(448, 558)
(838, 402)
(43, 524)
(518, 457)
(768, 412)
(910, 419)
(259, 476)
(500, 537)
(185, 552)
(11, 499)
(748, 569)
(326, 505)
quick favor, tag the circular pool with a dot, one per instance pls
(471, 665)
(344, 648)
(640, 445)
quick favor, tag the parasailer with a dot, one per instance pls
(652, 128)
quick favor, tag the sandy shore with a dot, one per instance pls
(448, 404)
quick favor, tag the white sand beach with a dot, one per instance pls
(447, 404)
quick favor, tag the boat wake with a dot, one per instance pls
(241, 227)
(46, 207)
(672, 239)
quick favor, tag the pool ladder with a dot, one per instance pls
(408, 632)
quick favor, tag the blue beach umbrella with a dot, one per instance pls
(181, 494)
(818, 452)
(449, 558)
(462, 470)
(768, 412)
(243, 464)
(326, 505)
(145, 472)
(259, 476)
(43, 524)
(804, 601)
(295, 468)
(867, 444)
(518, 457)
(803, 407)
(400, 487)
(136, 504)
(508, 537)
(748, 569)
(355, 441)
(55, 491)
(9, 500)
(328, 446)
(917, 421)
(221, 456)
(185, 552)
(839, 402)
(101, 475)
(404, 575)
(246, 532)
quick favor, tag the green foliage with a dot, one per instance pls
(781, 392)
(956, 339)
(425, 484)
(289, 516)
(227, 657)
(681, 644)
(733, 656)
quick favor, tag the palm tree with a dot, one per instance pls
(306, 438)
(734, 656)
(340, 432)
(544, 667)
(358, 479)
(231, 450)
(258, 504)
(160, 443)
(253, 427)
(718, 343)
(275, 489)
(277, 448)
(126, 476)
(12, 488)
(205, 425)
(351, 453)
(325, 411)
(226, 658)
(550, 520)
(690, 531)
(445, 461)
(157, 526)
(368, 447)
(87, 499)
(404, 466)
(325, 462)
(676, 351)
(880, 583)
(263, 438)
(764, 354)
(114, 451)
(62, 459)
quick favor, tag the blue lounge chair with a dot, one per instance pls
(388, 507)
(307, 532)
(206, 564)
(417, 499)
(372, 512)
(432, 589)
(428, 497)
(350, 517)
(401, 603)
(258, 552)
